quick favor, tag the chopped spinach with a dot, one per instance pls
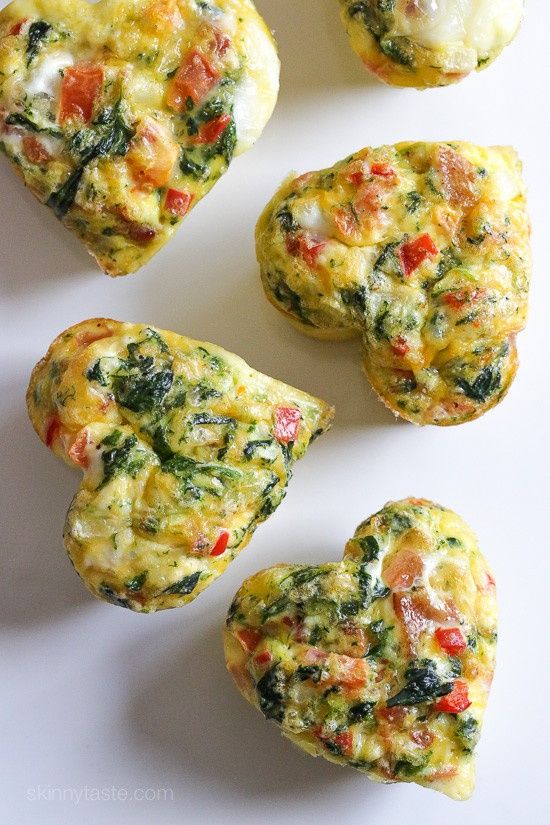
(184, 587)
(137, 582)
(109, 594)
(485, 384)
(422, 685)
(285, 218)
(356, 299)
(360, 712)
(370, 548)
(124, 459)
(18, 119)
(271, 692)
(405, 767)
(467, 732)
(38, 31)
(111, 135)
(252, 446)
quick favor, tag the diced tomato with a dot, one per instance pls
(152, 155)
(263, 658)
(413, 621)
(349, 672)
(287, 424)
(53, 428)
(403, 569)
(78, 450)
(250, 639)
(393, 716)
(399, 346)
(345, 221)
(344, 741)
(355, 172)
(490, 582)
(369, 200)
(286, 620)
(442, 773)
(211, 131)
(451, 640)
(307, 247)
(456, 701)
(413, 253)
(35, 151)
(178, 202)
(221, 545)
(195, 78)
(383, 170)
(79, 91)
(17, 27)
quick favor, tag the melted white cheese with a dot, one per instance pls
(46, 76)
(310, 216)
(483, 25)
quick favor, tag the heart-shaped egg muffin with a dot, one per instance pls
(185, 450)
(425, 43)
(122, 115)
(382, 661)
(423, 250)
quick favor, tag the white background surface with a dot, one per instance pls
(95, 696)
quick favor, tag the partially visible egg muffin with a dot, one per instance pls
(121, 116)
(423, 250)
(184, 449)
(383, 661)
(425, 43)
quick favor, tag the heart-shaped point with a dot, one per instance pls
(382, 661)
(122, 115)
(422, 43)
(423, 250)
(185, 450)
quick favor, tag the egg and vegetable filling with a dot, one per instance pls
(184, 448)
(383, 661)
(121, 116)
(427, 43)
(422, 249)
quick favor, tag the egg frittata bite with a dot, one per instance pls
(423, 250)
(121, 116)
(382, 661)
(425, 43)
(184, 448)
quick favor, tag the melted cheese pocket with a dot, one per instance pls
(423, 250)
(122, 115)
(383, 661)
(425, 43)
(184, 448)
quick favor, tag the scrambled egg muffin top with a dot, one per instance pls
(423, 250)
(121, 116)
(427, 43)
(185, 450)
(382, 661)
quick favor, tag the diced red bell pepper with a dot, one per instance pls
(53, 428)
(35, 151)
(400, 346)
(250, 639)
(413, 253)
(287, 424)
(451, 640)
(456, 701)
(17, 27)
(211, 131)
(195, 78)
(221, 545)
(178, 202)
(263, 658)
(79, 91)
(383, 170)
